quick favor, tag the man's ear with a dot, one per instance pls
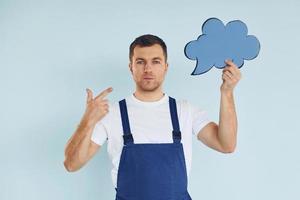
(167, 66)
(130, 66)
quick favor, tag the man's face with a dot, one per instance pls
(148, 67)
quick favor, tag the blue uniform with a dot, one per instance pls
(152, 171)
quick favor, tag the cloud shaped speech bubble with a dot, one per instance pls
(218, 43)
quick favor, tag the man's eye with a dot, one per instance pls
(156, 62)
(139, 62)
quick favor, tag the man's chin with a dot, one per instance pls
(149, 88)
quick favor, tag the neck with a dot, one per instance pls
(148, 95)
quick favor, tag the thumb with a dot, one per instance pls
(89, 95)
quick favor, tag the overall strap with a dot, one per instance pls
(127, 136)
(175, 123)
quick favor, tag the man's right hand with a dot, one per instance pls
(96, 108)
(79, 148)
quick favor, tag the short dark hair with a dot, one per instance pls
(146, 41)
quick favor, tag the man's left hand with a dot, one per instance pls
(231, 76)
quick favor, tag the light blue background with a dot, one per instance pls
(50, 51)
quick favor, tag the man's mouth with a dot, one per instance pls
(148, 78)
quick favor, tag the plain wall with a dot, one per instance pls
(50, 51)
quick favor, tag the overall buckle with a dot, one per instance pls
(177, 135)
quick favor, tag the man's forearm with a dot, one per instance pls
(227, 131)
(77, 147)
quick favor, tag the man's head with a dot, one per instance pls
(148, 62)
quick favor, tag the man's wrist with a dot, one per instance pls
(86, 124)
(228, 93)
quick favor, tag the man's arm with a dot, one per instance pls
(80, 149)
(223, 137)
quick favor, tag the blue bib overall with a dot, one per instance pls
(152, 171)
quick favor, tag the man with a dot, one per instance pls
(149, 134)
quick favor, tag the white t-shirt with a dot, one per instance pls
(150, 122)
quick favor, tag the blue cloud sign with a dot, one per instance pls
(219, 42)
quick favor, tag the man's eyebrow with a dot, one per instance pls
(156, 58)
(139, 59)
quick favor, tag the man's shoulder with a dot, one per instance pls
(182, 102)
(187, 105)
(114, 105)
(183, 105)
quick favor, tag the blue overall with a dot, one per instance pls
(152, 171)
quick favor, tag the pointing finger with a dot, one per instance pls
(104, 93)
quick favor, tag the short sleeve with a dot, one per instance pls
(199, 117)
(99, 135)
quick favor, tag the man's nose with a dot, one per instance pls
(147, 67)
